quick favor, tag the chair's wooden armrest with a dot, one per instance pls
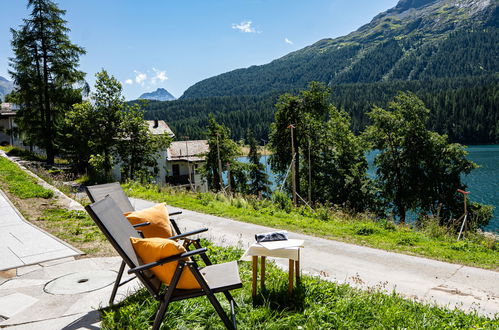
(189, 233)
(141, 224)
(160, 262)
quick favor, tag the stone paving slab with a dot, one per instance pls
(25, 304)
(22, 243)
(422, 279)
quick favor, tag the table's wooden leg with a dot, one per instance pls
(297, 271)
(291, 275)
(262, 272)
(297, 268)
(255, 273)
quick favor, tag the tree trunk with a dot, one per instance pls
(49, 125)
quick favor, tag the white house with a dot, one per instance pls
(8, 125)
(183, 161)
(156, 127)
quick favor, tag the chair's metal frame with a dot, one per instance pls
(114, 190)
(170, 293)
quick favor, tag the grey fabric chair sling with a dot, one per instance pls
(98, 192)
(212, 278)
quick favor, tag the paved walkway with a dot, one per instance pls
(60, 294)
(23, 244)
(422, 279)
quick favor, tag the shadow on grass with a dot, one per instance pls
(278, 298)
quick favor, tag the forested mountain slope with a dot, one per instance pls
(450, 45)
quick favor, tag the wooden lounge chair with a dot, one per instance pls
(98, 192)
(212, 279)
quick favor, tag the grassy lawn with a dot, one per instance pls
(315, 304)
(39, 207)
(20, 184)
(433, 242)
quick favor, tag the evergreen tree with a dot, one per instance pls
(223, 151)
(44, 69)
(259, 182)
(417, 169)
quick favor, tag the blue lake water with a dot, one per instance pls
(483, 183)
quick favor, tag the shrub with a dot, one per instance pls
(366, 229)
(408, 241)
(387, 225)
(480, 215)
(282, 201)
(239, 202)
(323, 213)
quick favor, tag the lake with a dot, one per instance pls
(483, 183)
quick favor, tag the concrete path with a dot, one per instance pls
(60, 294)
(421, 279)
(23, 244)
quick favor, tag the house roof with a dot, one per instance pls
(191, 150)
(157, 127)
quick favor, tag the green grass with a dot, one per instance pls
(20, 184)
(315, 304)
(71, 226)
(475, 250)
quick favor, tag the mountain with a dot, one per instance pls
(445, 51)
(5, 87)
(159, 94)
(415, 40)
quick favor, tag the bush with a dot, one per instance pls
(480, 215)
(387, 225)
(282, 201)
(366, 229)
(431, 226)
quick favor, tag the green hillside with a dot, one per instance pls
(451, 45)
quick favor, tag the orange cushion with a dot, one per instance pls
(155, 248)
(158, 217)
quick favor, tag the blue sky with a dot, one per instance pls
(174, 44)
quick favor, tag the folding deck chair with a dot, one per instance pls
(212, 278)
(98, 192)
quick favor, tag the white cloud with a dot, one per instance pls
(289, 42)
(129, 82)
(159, 76)
(140, 77)
(245, 26)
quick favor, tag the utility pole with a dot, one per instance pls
(186, 138)
(229, 177)
(265, 157)
(293, 169)
(309, 174)
(219, 163)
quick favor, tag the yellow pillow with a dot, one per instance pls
(153, 249)
(158, 217)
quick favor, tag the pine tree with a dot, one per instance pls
(223, 151)
(44, 69)
(259, 182)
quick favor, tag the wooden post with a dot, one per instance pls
(309, 174)
(229, 177)
(255, 274)
(262, 272)
(297, 268)
(465, 214)
(291, 275)
(219, 164)
(293, 169)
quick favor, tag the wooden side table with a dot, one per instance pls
(291, 253)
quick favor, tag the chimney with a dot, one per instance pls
(156, 123)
